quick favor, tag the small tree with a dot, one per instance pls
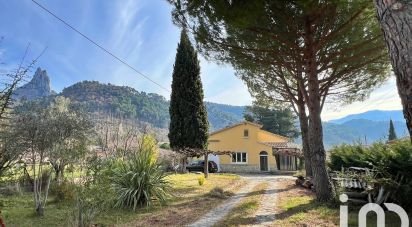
(9, 82)
(70, 129)
(274, 119)
(51, 136)
(33, 127)
(392, 133)
(116, 136)
(188, 131)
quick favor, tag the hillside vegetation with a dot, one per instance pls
(147, 107)
(151, 108)
(120, 100)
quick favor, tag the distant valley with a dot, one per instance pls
(153, 109)
(363, 129)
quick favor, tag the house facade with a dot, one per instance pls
(245, 147)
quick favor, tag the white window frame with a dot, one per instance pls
(239, 163)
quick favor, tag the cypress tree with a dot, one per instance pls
(392, 133)
(188, 131)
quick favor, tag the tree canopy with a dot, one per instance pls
(188, 117)
(295, 51)
(276, 120)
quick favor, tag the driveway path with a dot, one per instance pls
(264, 214)
(215, 215)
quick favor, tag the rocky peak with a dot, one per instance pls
(39, 86)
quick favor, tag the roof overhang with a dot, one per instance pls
(285, 148)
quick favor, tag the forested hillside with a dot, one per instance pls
(120, 100)
(151, 108)
(147, 107)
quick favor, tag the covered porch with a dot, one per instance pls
(289, 156)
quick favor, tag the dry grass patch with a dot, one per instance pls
(191, 200)
(297, 207)
(243, 214)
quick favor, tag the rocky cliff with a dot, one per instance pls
(38, 87)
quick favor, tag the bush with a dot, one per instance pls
(140, 178)
(91, 200)
(10, 190)
(219, 193)
(64, 191)
(393, 158)
(201, 180)
(83, 213)
(165, 146)
(389, 160)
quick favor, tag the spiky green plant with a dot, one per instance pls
(140, 180)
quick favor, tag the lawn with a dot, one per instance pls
(297, 207)
(190, 201)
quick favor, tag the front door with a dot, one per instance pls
(263, 163)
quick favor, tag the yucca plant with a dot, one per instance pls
(139, 180)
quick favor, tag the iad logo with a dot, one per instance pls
(372, 207)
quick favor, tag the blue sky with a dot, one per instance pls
(138, 31)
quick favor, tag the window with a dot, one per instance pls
(245, 133)
(239, 157)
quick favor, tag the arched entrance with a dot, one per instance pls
(263, 161)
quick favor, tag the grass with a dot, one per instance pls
(243, 214)
(190, 201)
(297, 207)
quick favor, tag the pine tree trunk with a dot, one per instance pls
(395, 17)
(206, 166)
(304, 128)
(322, 183)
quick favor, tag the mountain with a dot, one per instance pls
(153, 109)
(120, 101)
(366, 127)
(147, 107)
(222, 115)
(373, 115)
(360, 130)
(38, 87)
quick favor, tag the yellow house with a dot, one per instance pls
(253, 149)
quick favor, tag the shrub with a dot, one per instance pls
(201, 180)
(84, 213)
(91, 200)
(165, 146)
(393, 158)
(64, 191)
(219, 193)
(139, 179)
(389, 160)
(10, 190)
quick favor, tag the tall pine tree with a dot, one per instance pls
(188, 131)
(392, 133)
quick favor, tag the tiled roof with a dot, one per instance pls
(283, 145)
(285, 148)
(232, 126)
